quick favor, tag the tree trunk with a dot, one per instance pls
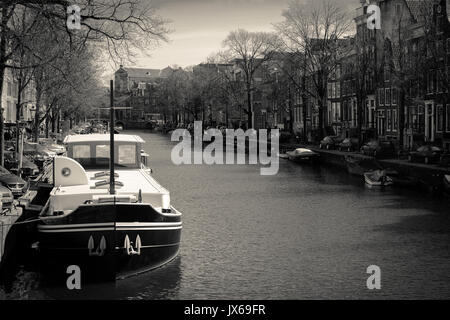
(401, 117)
(2, 126)
(321, 122)
(249, 108)
(47, 123)
(359, 102)
(53, 119)
(305, 128)
(18, 107)
(2, 77)
(58, 122)
(291, 114)
(226, 114)
(36, 115)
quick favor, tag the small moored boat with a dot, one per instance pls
(302, 155)
(377, 178)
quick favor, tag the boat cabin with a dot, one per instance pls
(83, 176)
(92, 151)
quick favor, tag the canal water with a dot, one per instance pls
(305, 233)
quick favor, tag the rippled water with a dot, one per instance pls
(304, 233)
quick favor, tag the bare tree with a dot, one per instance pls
(316, 29)
(249, 51)
(119, 27)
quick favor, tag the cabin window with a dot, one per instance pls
(102, 154)
(82, 154)
(127, 154)
(81, 151)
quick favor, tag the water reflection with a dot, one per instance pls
(308, 232)
(157, 284)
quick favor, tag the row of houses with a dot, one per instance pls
(405, 85)
(390, 83)
(9, 97)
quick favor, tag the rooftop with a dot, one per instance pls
(97, 137)
(146, 73)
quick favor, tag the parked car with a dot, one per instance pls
(29, 169)
(15, 184)
(330, 142)
(37, 153)
(378, 149)
(9, 161)
(426, 153)
(7, 197)
(349, 144)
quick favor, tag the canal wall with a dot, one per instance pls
(6, 222)
(430, 176)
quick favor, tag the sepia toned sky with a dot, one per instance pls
(200, 26)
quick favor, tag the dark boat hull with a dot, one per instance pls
(108, 242)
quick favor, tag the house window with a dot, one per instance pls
(338, 111)
(338, 89)
(394, 96)
(439, 80)
(440, 118)
(382, 97)
(8, 110)
(333, 112)
(447, 119)
(388, 96)
(330, 92)
(394, 120)
(9, 89)
(15, 89)
(430, 82)
(389, 120)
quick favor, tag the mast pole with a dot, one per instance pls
(111, 140)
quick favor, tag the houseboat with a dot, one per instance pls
(111, 222)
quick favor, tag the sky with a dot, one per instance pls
(200, 26)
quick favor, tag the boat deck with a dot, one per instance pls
(133, 181)
(69, 197)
